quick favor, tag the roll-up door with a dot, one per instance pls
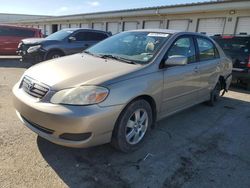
(84, 25)
(98, 26)
(243, 25)
(130, 26)
(113, 27)
(180, 25)
(74, 25)
(211, 26)
(64, 26)
(152, 24)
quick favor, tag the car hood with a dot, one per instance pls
(79, 69)
(33, 40)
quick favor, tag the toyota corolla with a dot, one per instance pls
(116, 90)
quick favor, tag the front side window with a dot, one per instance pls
(139, 47)
(207, 50)
(81, 36)
(89, 36)
(183, 47)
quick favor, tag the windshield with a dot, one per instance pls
(59, 35)
(139, 47)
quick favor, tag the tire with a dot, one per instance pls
(54, 55)
(132, 126)
(215, 95)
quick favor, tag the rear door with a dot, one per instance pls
(181, 83)
(209, 62)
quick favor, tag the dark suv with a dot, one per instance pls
(238, 49)
(61, 43)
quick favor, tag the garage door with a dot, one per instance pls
(98, 26)
(152, 24)
(84, 25)
(48, 30)
(180, 25)
(130, 26)
(211, 26)
(64, 26)
(74, 25)
(113, 27)
(243, 25)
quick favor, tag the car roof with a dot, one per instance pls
(19, 27)
(85, 29)
(168, 31)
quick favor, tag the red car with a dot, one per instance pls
(10, 36)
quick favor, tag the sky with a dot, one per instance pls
(66, 7)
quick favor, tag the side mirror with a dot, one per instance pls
(176, 60)
(72, 39)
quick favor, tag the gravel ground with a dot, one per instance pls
(199, 147)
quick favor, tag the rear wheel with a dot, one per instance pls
(215, 94)
(132, 126)
(54, 55)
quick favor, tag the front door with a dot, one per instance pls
(181, 83)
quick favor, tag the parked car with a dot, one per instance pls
(116, 90)
(238, 49)
(10, 37)
(61, 43)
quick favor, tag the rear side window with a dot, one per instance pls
(16, 32)
(207, 50)
(90, 36)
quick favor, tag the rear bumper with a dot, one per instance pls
(51, 121)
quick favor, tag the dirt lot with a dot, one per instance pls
(200, 147)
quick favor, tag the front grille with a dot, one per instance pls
(34, 88)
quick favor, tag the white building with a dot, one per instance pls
(212, 17)
(6, 18)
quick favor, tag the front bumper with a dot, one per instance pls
(51, 121)
(34, 57)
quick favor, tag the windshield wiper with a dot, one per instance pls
(117, 58)
(96, 55)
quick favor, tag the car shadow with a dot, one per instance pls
(13, 63)
(171, 150)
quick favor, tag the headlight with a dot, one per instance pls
(33, 48)
(84, 95)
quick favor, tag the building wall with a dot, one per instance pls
(230, 16)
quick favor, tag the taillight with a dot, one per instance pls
(248, 64)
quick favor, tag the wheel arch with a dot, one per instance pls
(147, 98)
(54, 50)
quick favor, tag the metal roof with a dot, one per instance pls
(169, 9)
(155, 7)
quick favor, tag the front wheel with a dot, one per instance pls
(54, 55)
(132, 126)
